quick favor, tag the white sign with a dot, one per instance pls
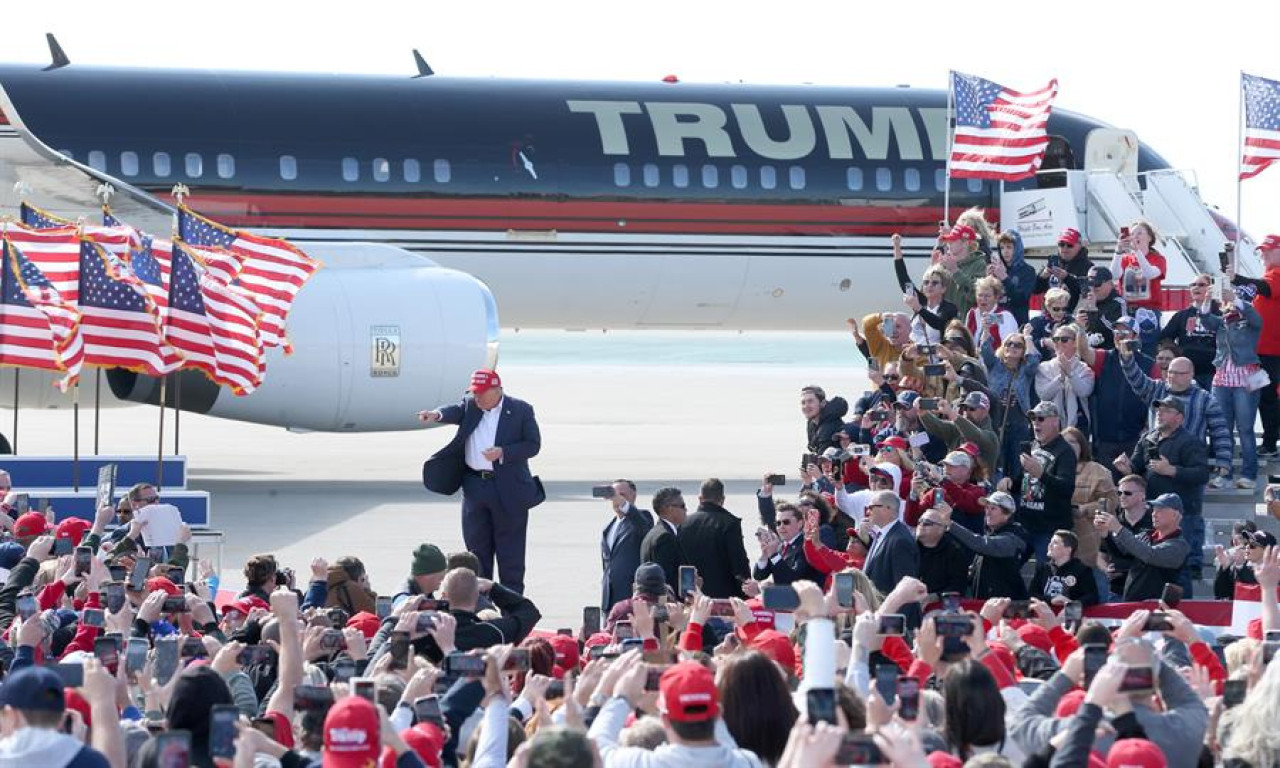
(1039, 215)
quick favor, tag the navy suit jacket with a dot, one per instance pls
(792, 566)
(620, 562)
(896, 557)
(517, 436)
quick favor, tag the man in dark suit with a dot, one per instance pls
(893, 553)
(620, 544)
(660, 544)
(712, 540)
(782, 554)
(489, 460)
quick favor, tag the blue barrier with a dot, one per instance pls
(195, 506)
(56, 471)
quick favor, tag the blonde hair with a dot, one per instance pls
(975, 220)
(940, 272)
(1254, 737)
(1237, 654)
(1053, 294)
(1002, 353)
(864, 585)
(990, 283)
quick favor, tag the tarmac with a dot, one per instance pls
(303, 496)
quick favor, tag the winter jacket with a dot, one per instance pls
(1073, 580)
(1202, 416)
(1156, 561)
(46, 748)
(613, 716)
(1094, 485)
(997, 569)
(927, 325)
(964, 430)
(1044, 503)
(822, 433)
(1101, 322)
(1238, 339)
(1198, 344)
(1077, 277)
(1019, 282)
(1186, 454)
(1069, 393)
(347, 594)
(968, 270)
(1122, 415)
(1019, 384)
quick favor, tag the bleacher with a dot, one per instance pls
(1229, 505)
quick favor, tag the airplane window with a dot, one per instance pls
(288, 167)
(884, 179)
(195, 165)
(129, 163)
(940, 179)
(160, 164)
(795, 177)
(98, 160)
(975, 185)
(680, 175)
(710, 176)
(621, 175)
(412, 171)
(381, 169)
(768, 176)
(853, 177)
(442, 171)
(738, 177)
(350, 169)
(226, 166)
(651, 175)
(911, 179)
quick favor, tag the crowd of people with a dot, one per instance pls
(923, 600)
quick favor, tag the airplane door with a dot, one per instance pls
(696, 290)
(1111, 149)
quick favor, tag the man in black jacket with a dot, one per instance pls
(620, 544)
(997, 571)
(462, 588)
(712, 540)
(1159, 556)
(823, 418)
(660, 544)
(1107, 308)
(782, 554)
(944, 564)
(1072, 269)
(1048, 480)
(1197, 342)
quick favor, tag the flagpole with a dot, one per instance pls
(75, 442)
(1239, 172)
(160, 437)
(177, 411)
(97, 407)
(951, 129)
(16, 371)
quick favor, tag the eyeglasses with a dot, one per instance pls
(929, 524)
(933, 282)
(1038, 419)
(892, 377)
(1015, 345)
(1064, 245)
(1064, 339)
(886, 449)
(877, 506)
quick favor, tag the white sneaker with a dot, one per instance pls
(1247, 483)
(1218, 482)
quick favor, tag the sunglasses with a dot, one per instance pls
(892, 377)
(1056, 309)
(1038, 419)
(1128, 493)
(933, 282)
(1064, 245)
(1016, 345)
(1064, 339)
(886, 449)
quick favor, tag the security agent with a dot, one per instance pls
(620, 543)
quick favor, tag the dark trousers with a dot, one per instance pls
(1269, 403)
(491, 530)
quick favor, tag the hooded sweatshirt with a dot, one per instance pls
(48, 749)
(1019, 282)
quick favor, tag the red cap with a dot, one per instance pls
(73, 700)
(776, 646)
(366, 622)
(30, 525)
(1070, 703)
(484, 380)
(764, 617)
(1135, 753)
(284, 730)
(896, 441)
(941, 759)
(971, 448)
(426, 739)
(687, 693)
(961, 232)
(245, 605)
(73, 528)
(351, 734)
(599, 638)
(566, 648)
(1270, 243)
(1254, 629)
(1069, 236)
(161, 583)
(1036, 636)
(1006, 657)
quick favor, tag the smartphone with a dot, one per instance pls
(844, 589)
(953, 625)
(72, 674)
(432, 604)
(595, 652)
(383, 606)
(173, 749)
(138, 577)
(1018, 609)
(193, 648)
(332, 640)
(222, 730)
(366, 688)
(1095, 656)
(951, 602)
(908, 697)
(344, 669)
(892, 624)
(426, 709)
(399, 650)
(135, 656)
(1138, 680)
(859, 450)
(932, 369)
(93, 617)
(464, 665)
(1073, 611)
(878, 414)
(928, 403)
(27, 606)
(780, 598)
(177, 575)
(1271, 636)
(84, 559)
(1171, 595)
(1025, 447)
(1233, 692)
(107, 651)
(426, 622)
(253, 655)
(688, 581)
(312, 698)
(654, 679)
(166, 662)
(555, 690)
(822, 705)
(858, 749)
(1124, 233)
(590, 620)
(630, 644)
(1055, 261)
(1158, 621)
(117, 572)
(115, 596)
(602, 491)
(622, 630)
(62, 547)
(722, 608)
(887, 682)
(175, 604)
(266, 726)
(517, 660)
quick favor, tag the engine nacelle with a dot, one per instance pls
(378, 335)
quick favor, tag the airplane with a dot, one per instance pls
(436, 202)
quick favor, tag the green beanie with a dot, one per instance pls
(428, 559)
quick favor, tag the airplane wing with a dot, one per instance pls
(31, 170)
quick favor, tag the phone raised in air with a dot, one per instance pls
(844, 589)
(222, 730)
(590, 620)
(781, 598)
(821, 705)
(688, 581)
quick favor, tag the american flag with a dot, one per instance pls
(272, 271)
(119, 322)
(1261, 124)
(999, 134)
(38, 327)
(150, 258)
(40, 219)
(55, 252)
(213, 325)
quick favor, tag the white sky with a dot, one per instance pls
(1167, 73)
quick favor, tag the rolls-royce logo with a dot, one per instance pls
(384, 349)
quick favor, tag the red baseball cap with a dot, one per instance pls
(366, 622)
(1070, 703)
(1135, 753)
(971, 448)
(1036, 636)
(484, 380)
(776, 646)
(30, 525)
(961, 232)
(1270, 243)
(763, 616)
(426, 739)
(245, 605)
(567, 655)
(895, 441)
(73, 528)
(162, 583)
(1070, 236)
(351, 734)
(687, 693)
(943, 760)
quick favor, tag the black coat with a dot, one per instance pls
(661, 546)
(894, 558)
(944, 568)
(619, 563)
(997, 570)
(791, 566)
(712, 541)
(822, 433)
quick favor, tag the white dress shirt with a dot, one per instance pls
(482, 437)
(877, 545)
